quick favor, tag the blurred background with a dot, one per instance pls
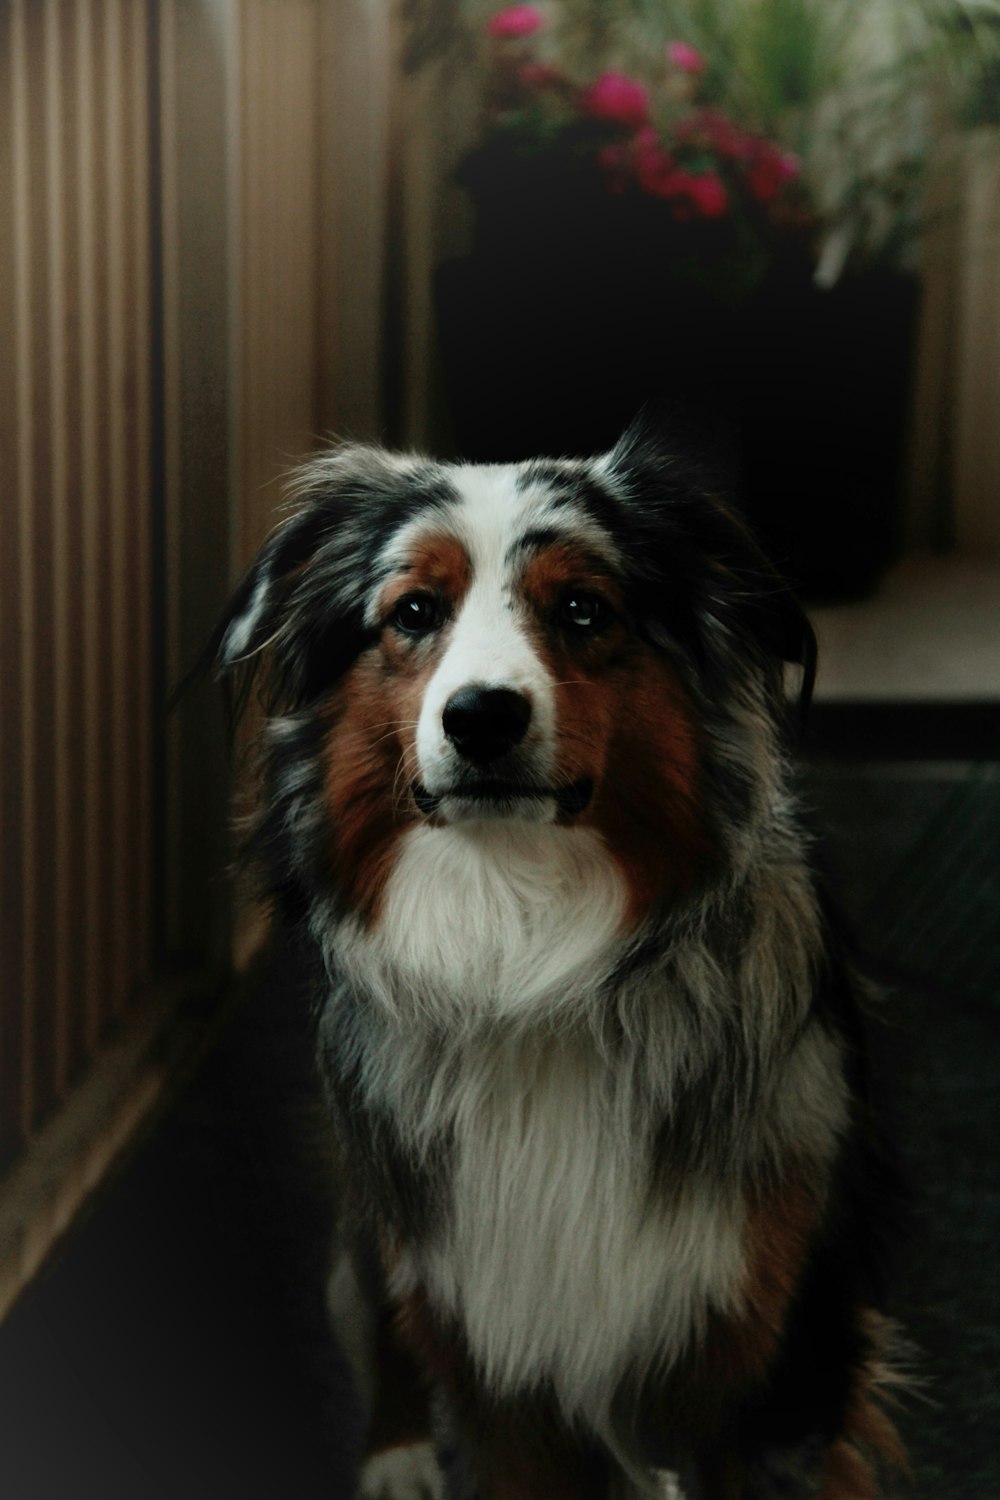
(231, 229)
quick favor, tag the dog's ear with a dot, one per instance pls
(296, 621)
(700, 557)
(690, 444)
(253, 615)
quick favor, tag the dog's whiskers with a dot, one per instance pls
(390, 733)
(405, 775)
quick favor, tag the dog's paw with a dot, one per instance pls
(409, 1472)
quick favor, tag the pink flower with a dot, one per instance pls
(647, 146)
(691, 195)
(515, 21)
(709, 195)
(768, 172)
(617, 98)
(710, 129)
(673, 184)
(655, 170)
(661, 177)
(685, 57)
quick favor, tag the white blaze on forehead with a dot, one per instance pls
(489, 643)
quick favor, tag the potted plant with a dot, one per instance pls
(714, 204)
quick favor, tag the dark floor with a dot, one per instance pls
(176, 1350)
(917, 850)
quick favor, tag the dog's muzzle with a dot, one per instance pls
(484, 727)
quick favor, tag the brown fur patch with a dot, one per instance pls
(370, 765)
(780, 1226)
(371, 759)
(550, 572)
(847, 1475)
(624, 720)
(736, 1354)
(648, 805)
(629, 727)
(870, 1447)
(437, 564)
(733, 1359)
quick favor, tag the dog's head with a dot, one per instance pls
(577, 643)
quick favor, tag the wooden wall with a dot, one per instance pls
(77, 664)
(191, 268)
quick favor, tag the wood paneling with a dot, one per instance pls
(75, 564)
(278, 324)
(192, 264)
(977, 431)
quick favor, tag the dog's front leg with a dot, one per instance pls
(393, 1412)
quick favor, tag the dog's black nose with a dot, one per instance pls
(484, 723)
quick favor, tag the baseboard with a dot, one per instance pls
(135, 1076)
(863, 730)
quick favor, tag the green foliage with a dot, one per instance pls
(791, 53)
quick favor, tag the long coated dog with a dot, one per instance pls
(588, 1041)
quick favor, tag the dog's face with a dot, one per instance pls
(531, 644)
(506, 659)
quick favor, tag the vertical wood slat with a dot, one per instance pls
(87, 703)
(280, 261)
(60, 244)
(195, 41)
(140, 532)
(98, 657)
(66, 218)
(976, 473)
(25, 59)
(357, 44)
(75, 529)
(103, 709)
(13, 1016)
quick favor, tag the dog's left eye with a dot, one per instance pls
(416, 614)
(584, 611)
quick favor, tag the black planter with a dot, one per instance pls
(569, 315)
(822, 423)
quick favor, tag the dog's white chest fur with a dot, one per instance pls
(561, 1266)
(489, 921)
(553, 1253)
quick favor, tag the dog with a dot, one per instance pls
(588, 1038)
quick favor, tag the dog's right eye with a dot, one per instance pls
(416, 614)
